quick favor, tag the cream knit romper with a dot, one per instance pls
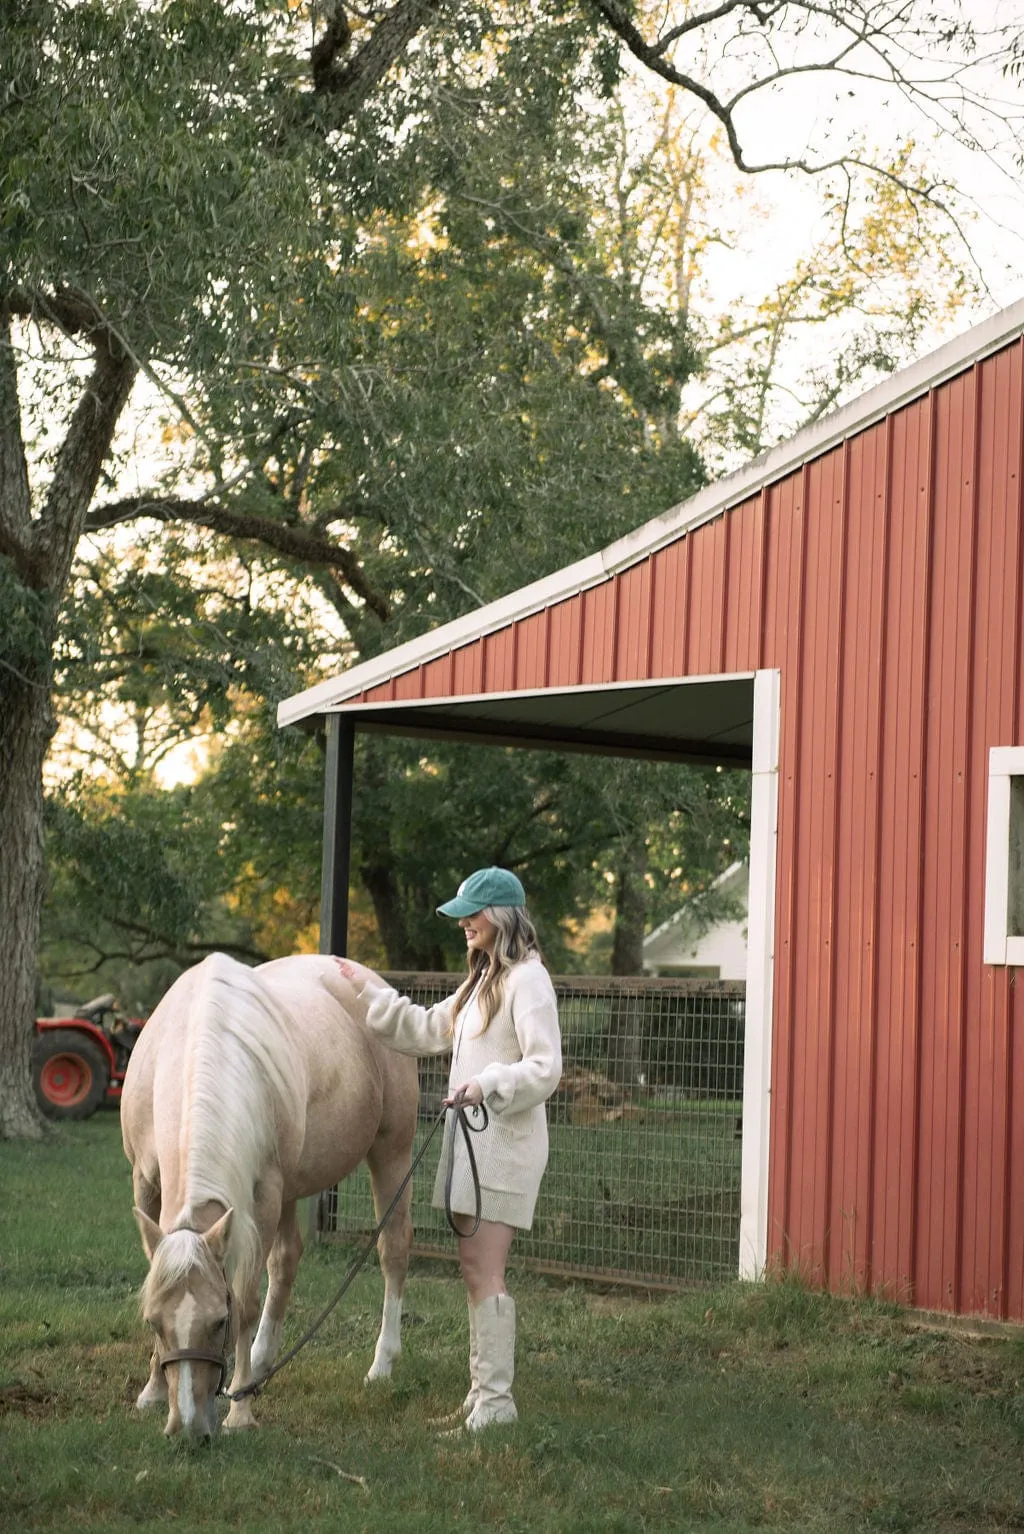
(518, 1063)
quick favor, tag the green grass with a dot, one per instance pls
(729, 1409)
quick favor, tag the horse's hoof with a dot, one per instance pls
(147, 1398)
(239, 1427)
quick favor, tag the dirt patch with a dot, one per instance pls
(976, 1371)
(35, 1402)
(611, 1301)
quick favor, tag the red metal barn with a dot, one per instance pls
(845, 616)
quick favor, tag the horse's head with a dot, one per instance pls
(186, 1299)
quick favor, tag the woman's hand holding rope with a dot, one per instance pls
(469, 1095)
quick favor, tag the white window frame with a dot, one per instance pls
(1005, 831)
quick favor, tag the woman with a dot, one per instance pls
(501, 1027)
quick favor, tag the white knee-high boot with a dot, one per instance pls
(473, 1394)
(456, 1418)
(496, 1354)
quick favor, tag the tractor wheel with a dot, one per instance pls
(69, 1073)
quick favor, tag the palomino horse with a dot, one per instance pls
(248, 1090)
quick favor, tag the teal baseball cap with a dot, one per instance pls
(488, 886)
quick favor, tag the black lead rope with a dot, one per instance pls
(468, 1129)
(461, 1122)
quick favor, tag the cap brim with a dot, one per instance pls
(458, 907)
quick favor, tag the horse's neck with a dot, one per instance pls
(229, 1127)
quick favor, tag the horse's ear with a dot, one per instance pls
(150, 1232)
(217, 1236)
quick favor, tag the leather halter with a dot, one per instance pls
(204, 1355)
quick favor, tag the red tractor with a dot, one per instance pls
(79, 1062)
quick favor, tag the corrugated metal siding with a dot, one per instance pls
(566, 633)
(885, 580)
(991, 1275)
(892, 1145)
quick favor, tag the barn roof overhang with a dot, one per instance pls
(525, 718)
(706, 720)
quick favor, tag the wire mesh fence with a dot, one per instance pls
(643, 1177)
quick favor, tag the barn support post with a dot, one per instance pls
(337, 844)
(334, 880)
(757, 1048)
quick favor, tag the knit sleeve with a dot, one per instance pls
(406, 1027)
(513, 1087)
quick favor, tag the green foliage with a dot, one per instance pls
(139, 153)
(462, 391)
(439, 371)
(409, 357)
(136, 893)
(234, 860)
(119, 858)
(425, 816)
(178, 631)
(423, 820)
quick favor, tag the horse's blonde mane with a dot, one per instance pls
(178, 1255)
(241, 1078)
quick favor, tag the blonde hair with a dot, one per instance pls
(514, 941)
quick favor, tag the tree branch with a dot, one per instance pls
(893, 37)
(156, 947)
(325, 53)
(621, 22)
(289, 540)
(700, 19)
(352, 84)
(71, 312)
(56, 532)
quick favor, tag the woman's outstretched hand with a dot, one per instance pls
(357, 975)
(361, 984)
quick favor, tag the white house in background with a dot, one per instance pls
(678, 947)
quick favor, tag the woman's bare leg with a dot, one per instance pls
(483, 1257)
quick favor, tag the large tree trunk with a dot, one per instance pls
(24, 738)
(400, 933)
(402, 950)
(382, 888)
(630, 907)
(37, 553)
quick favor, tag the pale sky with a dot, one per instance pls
(777, 216)
(826, 109)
